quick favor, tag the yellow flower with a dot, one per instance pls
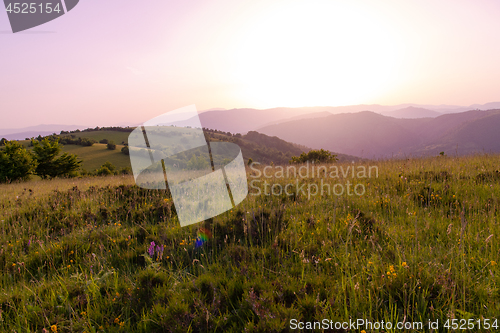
(53, 328)
(122, 324)
(117, 320)
(404, 264)
(493, 263)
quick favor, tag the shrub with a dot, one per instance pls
(48, 165)
(15, 162)
(315, 156)
(106, 169)
(111, 145)
(105, 141)
(125, 171)
(125, 151)
(86, 142)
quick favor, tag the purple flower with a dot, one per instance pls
(151, 249)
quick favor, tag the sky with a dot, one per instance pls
(115, 62)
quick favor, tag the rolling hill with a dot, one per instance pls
(370, 135)
(259, 147)
(412, 112)
(247, 119)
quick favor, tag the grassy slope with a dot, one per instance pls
(95, 156)
(259, 147)
(73, 253)
(116, 136)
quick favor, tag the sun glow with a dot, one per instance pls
(315, 53)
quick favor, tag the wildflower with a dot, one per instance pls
(151, 249)
(159, 251)
(53, 328)
(117, 320)
(404, 264)
(493, 263)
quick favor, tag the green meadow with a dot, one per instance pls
(420, 244)
(96, 155)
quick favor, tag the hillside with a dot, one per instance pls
(412, 112)
(99, 254)
(259, 147)
(248, 119)
(369, 135)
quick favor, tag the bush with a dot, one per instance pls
(15, 162)
(315, 156)
(105, 141)
(125, 171)
(125, 151)
(106, 169)
(48, 165)
(86, 142)
(111, 145)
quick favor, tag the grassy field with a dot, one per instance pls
(95, 156)
(116, 136)
(420, 244)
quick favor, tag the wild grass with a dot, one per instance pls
(420, 244)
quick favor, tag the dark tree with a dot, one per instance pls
(48, 165)
(15, 162)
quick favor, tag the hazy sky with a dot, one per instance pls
(117, 61)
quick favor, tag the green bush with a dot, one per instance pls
(15, 162)
(111, 145)
(48, 166)
(315, 156)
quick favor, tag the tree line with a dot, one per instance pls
(18, 163)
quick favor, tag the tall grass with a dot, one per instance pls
(420, 244)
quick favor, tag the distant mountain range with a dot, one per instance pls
(244, 120)
(365, 131)
(34, 131)
(370, 135)
(412, 112)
